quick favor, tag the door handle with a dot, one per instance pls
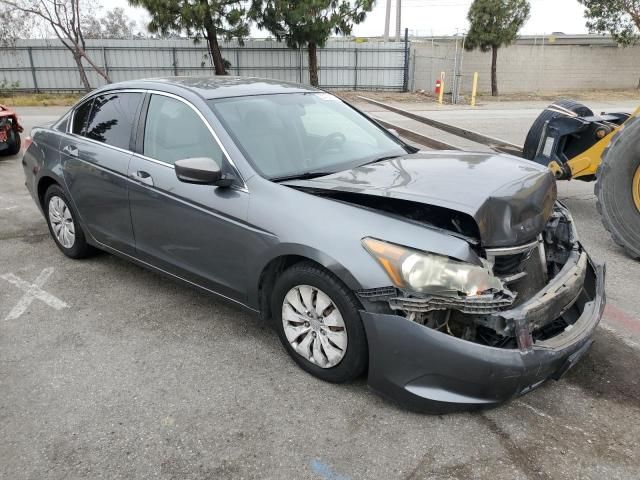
(143, 177)
(70, 150)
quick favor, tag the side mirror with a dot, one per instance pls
(393, 132)
(203, 171)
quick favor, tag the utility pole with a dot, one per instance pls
(398, 19)
(387, 21)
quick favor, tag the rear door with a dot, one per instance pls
(96, 157)
(197, 232)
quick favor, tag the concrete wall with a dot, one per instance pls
(530, 68)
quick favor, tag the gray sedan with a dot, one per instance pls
(454, 280)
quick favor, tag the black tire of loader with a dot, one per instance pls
(535, 132)
(613, 190)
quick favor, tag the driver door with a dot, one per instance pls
(192, 231)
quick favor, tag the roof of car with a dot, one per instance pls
(217, 87)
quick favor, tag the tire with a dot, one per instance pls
(354, 355)
(78, 247)
(537, 129)
(619, 169)
(14, 143)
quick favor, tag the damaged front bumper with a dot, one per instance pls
(430, 371)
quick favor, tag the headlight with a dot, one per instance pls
(430, 273)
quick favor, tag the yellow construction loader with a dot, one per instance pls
(576, 144)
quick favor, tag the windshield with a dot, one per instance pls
(286, 135)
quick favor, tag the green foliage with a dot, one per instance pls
(620, 18)
(495, 23)
(226, 18)
(303, 22)
(7, 88)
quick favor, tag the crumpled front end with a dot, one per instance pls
(8, 124)
(446, 353)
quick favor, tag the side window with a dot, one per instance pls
(173, 131)
(80, 118)
(112, 117)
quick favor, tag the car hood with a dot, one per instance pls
(509, 199)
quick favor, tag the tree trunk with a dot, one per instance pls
(83, 75)
(313, 64)
(98, 70)
(494, 72)
(214, 50)
(212, 40)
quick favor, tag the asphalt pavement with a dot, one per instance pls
(110, 371)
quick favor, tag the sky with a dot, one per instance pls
(438, 17)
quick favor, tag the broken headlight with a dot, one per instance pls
(425, 272)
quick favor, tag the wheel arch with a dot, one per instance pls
(261, 293)
(43, 185)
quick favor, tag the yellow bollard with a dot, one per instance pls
(441, 97)
(474, 89)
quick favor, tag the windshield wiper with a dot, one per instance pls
(301, 176)
(381, 159)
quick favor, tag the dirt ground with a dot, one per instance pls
(67, 99)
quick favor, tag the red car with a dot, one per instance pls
(10, 130)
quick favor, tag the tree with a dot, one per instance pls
(65, 18)
(200, 19)
(114, 24)
(620, 18)
(309, 23)
(13, 25)
(495, 23)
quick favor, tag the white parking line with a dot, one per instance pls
(32, 291)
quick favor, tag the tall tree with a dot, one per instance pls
(309, 23)
(65, 18)
(207, 19)
(620, 18)
(494, 24)
(116, 24)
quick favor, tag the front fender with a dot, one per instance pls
(283, 250)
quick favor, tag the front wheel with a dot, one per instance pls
(318, 323)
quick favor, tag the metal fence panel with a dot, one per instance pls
(46, 65)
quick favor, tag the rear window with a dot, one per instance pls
(80, 117)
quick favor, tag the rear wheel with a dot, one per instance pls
(552, 111)
(618, 188)
(63, 224)
(318, 323)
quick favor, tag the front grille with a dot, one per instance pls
(476, 305)
(510, 261)
(510, 264)
(378, 293)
